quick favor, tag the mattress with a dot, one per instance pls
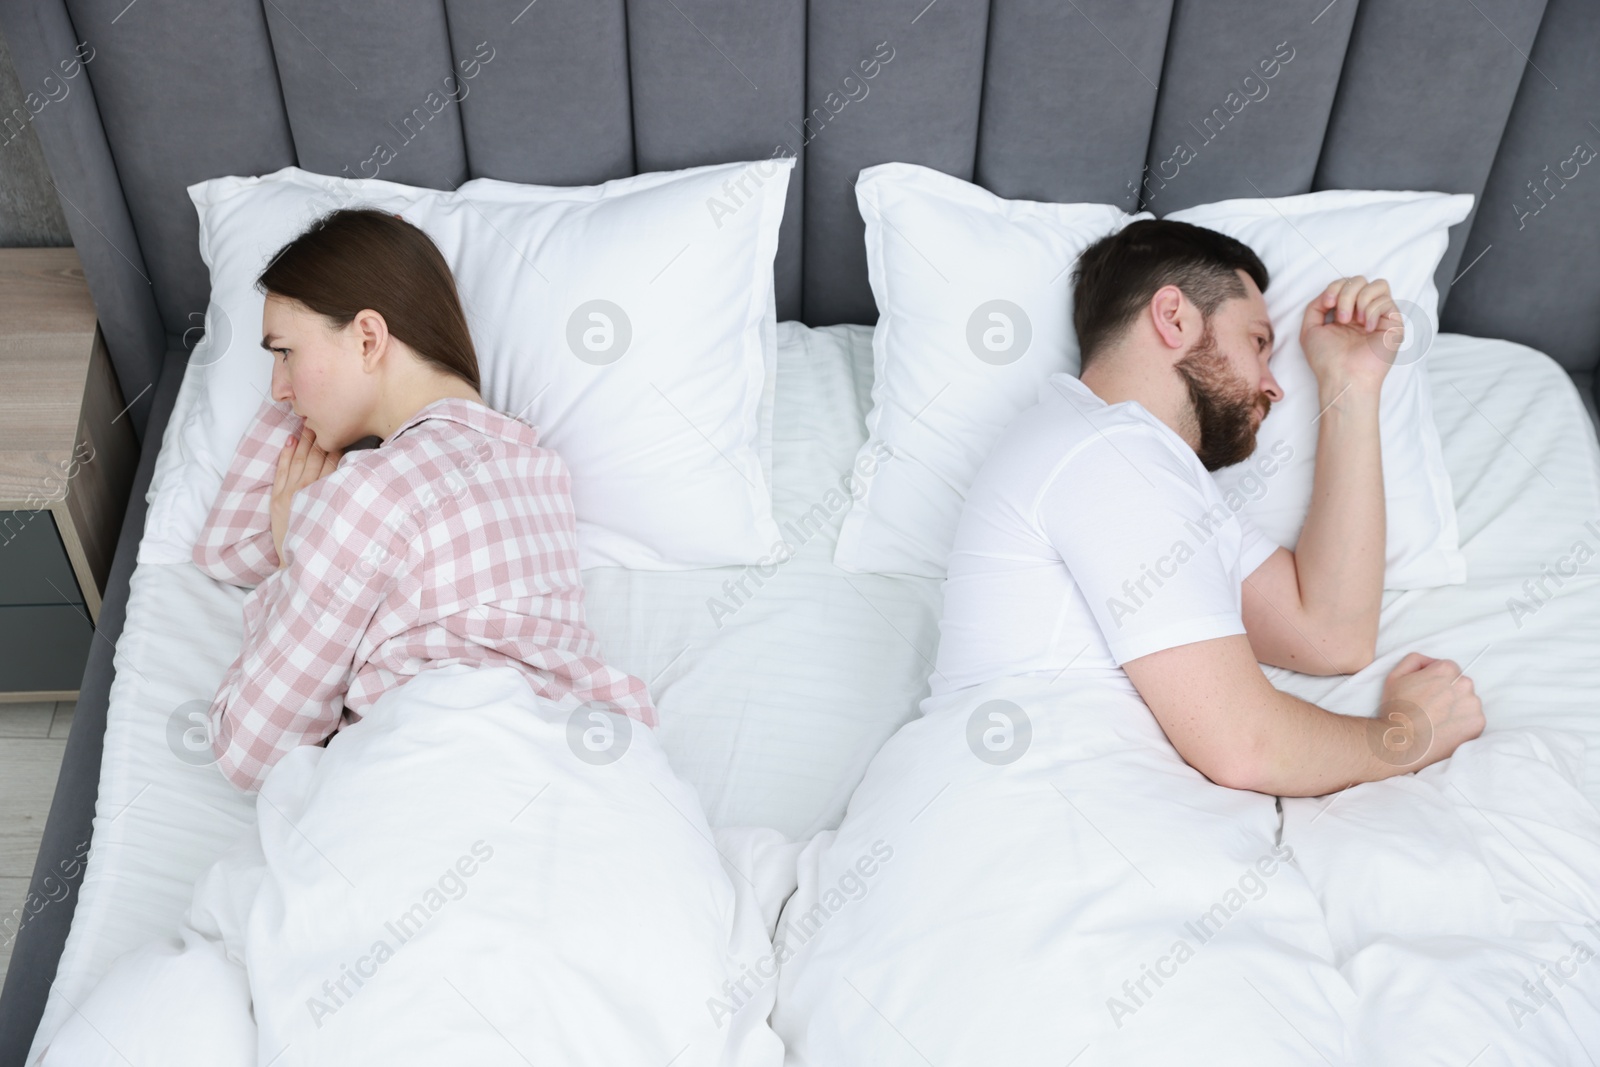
(776, 690)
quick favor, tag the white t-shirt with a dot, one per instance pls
(1092, 536)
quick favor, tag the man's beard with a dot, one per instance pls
(1223, 405)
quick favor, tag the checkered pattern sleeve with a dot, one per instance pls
(235, 545)
(305, 623)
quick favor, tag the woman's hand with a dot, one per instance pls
(299, 464)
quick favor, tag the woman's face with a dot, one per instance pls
(319, 370)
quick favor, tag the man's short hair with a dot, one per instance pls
(1117, 275)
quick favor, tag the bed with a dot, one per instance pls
(774, 717)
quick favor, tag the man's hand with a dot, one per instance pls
(299, 464)
(1358, 346)
(1429, 708)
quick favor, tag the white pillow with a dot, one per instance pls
(666, 432)
(1306, 242)
(974, 298)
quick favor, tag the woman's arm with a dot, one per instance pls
(302, 626)
(235, 545)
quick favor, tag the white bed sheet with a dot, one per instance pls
(774, 713)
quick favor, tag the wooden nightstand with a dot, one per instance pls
(67, 459)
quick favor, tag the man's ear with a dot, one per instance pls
(1166, 311)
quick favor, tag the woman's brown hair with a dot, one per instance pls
(357, 258)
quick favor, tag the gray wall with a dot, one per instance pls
(30, 210)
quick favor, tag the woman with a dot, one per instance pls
(452, 541)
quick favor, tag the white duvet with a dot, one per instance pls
(1030, 874)
(467, 875)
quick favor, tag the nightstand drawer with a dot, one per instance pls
(34, 568)
(43, 648)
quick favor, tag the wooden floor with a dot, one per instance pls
(32, 740)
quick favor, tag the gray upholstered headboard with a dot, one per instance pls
(1149, 103)
(1122, 101)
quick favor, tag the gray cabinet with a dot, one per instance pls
(44, 623)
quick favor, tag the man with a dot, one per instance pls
(1096, 546)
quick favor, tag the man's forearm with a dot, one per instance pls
(1306, 751)
(1340, 555)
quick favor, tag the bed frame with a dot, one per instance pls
(1141, 103)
